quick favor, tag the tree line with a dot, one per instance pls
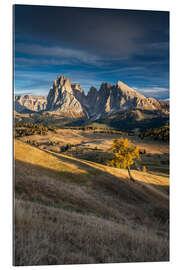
(28, 129)
(161, 133)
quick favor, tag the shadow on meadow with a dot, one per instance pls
(92, 216)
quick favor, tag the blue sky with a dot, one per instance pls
(91, 46)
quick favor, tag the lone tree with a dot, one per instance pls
(124, 155)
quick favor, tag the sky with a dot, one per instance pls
(90, 46)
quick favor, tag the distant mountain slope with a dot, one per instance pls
(29, 103)
(139, 120)
(92, 211)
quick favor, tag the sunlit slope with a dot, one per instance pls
(37, 164)
(63, 163)
(34, 156)
(96, 214)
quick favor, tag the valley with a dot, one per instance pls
(95, 145)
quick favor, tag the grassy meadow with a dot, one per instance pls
(71, 208)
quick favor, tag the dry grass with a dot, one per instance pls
(62, 136)
(95, 147)
(53, 236)
(73, 211)
(101, 140)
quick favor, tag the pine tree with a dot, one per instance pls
(124, 155)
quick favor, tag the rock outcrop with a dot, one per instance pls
(66, 98)
(117, 98)
(29, 103)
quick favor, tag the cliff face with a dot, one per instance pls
(117, 98)
(66, 98)
(30, 103)
(69, 99)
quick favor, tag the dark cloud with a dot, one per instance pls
(92, 45)
(106, 31)
(68, 54)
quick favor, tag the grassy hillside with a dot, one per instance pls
(94, 145)
(69, 210)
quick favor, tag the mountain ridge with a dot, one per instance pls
(68, 99)
(29, 103)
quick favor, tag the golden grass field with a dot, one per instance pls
(74, 211)
(95, 147)
(100, 140)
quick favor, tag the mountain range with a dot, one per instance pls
(68, 99)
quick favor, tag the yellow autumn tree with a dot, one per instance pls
(125, 154)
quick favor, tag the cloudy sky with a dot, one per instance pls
(91, 46)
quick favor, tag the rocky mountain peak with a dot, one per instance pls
(65, 97)
(104, 86)
(120, 84)
(60, 80)
(92, 91)
(68, 98)
(27, 103)
(129, 93)
(125, 88)
(77, 87)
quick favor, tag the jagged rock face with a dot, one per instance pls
(117, 98)
(125, 98)
(66, 98)
(30, 103)
(97, 100)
